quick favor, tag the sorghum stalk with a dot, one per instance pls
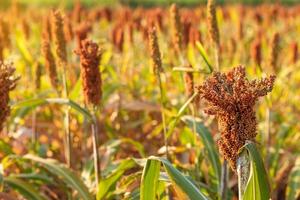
(213, 30)
(243, 171)
(157, 69)
(61, 52)
(91, 79)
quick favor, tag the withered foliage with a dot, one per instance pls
(8, 83)
(231, 98)
(91, 78)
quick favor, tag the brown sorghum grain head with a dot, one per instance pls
(50, 62)
(154, 51)
(256, 51)
(46, 28)
(5, 33)
(213, 29)
(91, 78)
(59, 37)
(294, 49)
(1, 49)
(25, 28)
(68, 29)
(76, 12)
(176, 29)
(81, 32)
(231, 98)
(8, 83)
(274, 52)
(189, 82)
(37, 75)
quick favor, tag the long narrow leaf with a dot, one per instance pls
(258, 186)
(149, 181)
(65, 174)
(180, 181)
(208, 142)
(204, 55)
(24, 188)
(108, 183)
(32, 103)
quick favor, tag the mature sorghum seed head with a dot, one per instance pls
(5, 33)
(37, 75)
(91, 78)
(212, 22)
(294, 49)
(189, 82)
(81, 32)
(154, 51)
(274, 52)
(176, 28)
(256, 51)
(46, 26)
(8, 83)
(59, 37)
(68, 29)
(49, 62)
(231, 98)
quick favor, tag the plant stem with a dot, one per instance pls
(68, 136)
(224, 180)
(243, 171)
(217, 57)
(163, 115)
(97, 163)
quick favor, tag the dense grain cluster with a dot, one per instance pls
(176, 29)
(213, 29)
(57, 28)
(50, 62)
(274, 52)
(91, 79)
(231, 99)
(154, 52)
(7, 83)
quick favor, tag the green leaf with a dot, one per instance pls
(24, 188)
(149, 181)
(204, 56)
(65, 174)
(108, 183)
(32, 103)
(293, 188)
(174, 122)
(180, 181)
(257, 186)
(208, 142)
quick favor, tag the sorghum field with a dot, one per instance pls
(167, 102)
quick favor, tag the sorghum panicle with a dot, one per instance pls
(212, 23)
(49, 62)
(8, 83)
(176, 28)
(256, 51)
(59, 37)
(231, 98)
(294, 48)
(91, 78)
(274, 52)
(154, 51)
